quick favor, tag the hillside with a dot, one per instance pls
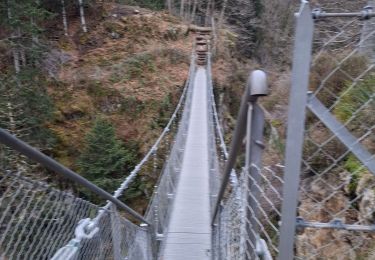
(134, 74)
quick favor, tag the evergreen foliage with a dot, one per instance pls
(25, 109)
(25, 103)
(104, 160)
(25, 15)
(22, 20)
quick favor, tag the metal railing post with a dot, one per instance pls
(295, 133)
(237, 139)
(250, 124)
(254, 150)
(257, 86)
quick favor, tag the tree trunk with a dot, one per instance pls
(169, 6)
(221, 18)
(16, 56)
(194, 11)
(188, 11)
(208, 19)
(82, 14)
(65, 20)
(9, 12)
(23, 58)
(20, 51)
(182, 8)
(16, 60)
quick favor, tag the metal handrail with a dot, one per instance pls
(33, 154)
(366, 13)
(256, 87)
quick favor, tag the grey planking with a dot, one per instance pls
(189, 231)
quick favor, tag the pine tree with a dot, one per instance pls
(25, 108)
(104, 160)
(22, 21)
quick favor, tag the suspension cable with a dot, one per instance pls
(219, 130)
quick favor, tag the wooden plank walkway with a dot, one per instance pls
(189, 232)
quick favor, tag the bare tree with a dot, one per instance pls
(192, 19)
(208, 12)
(82, 14)
(15, 37)
(65, 20)
(182, 8)
(222, 12)
(169, 5)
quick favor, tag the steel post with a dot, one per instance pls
(254, 150)
(295, 133)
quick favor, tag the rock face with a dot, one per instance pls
(367, 205)
(329, 198)
(324, 244)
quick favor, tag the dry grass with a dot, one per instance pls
(91, 89)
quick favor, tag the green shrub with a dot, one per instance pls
(355, 97)
(105, 161)
(354, 166)
(332, 77)
(133, 68)
(132, 106)
(165, 110)
(25, 99)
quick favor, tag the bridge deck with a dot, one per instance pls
(189, 232)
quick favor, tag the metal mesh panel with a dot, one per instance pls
(36, 220)
(337, 196)
(264, 208)
(216, 140)
(227, 242)
(256, 235)
(117, 238)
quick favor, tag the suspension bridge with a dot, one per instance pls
(204, 206)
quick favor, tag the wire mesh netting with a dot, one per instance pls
(227, 231)
(218, 151)
(248, 222)
(337, 182)
(264, 212)
(117, 238)
(37, 220)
